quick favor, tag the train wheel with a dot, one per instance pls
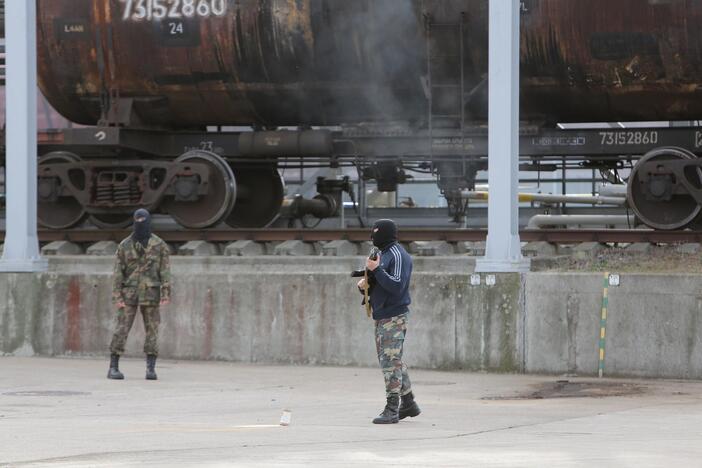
(261, 193)
(111, 221)
(55, 211)
(650, 202)
(212, 208)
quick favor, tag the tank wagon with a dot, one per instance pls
(390, 86)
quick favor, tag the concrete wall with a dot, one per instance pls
(654, 326)
(307, 311)
(273, 310)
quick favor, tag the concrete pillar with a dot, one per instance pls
(503, 249)
(199, 248)
(21, 253)
(340, 248)
(432, 248)
(245, 248)
(103, 248)
(61, 248)
(295, 248)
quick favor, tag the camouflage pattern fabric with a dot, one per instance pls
(125, 320)
(142, 276)
(389, 341)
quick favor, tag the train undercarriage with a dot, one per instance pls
(205, 178)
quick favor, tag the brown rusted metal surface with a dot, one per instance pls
(289, 62)
(572, 236)
(610, 61)
(50, 138)
(48, 118)
(266, 62)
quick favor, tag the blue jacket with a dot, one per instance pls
(390, 296)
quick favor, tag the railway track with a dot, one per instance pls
(562, 236)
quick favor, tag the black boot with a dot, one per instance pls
(390, 414)
(151, 367)
(114, 372)
(408, 407)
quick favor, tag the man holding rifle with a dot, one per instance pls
(388, 279)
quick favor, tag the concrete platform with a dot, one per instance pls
(64, 413)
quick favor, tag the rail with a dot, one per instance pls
(563, 236)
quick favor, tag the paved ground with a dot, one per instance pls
(63, 412)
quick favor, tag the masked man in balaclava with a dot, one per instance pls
(390, 299)
(142, 280)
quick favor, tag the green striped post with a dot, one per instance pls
(603, 322)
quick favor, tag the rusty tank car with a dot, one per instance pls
(384, 84)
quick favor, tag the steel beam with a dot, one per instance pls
(503, 249)
(21, 251)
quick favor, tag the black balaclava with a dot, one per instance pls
(142, 227)
(384, 233)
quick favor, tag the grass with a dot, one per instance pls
(660, 259)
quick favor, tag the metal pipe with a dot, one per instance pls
(548, 198)
(618, 190)
(539, 221)
(321, 207)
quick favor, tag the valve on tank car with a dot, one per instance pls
(454, 178)
(328, 203)
(387, 175)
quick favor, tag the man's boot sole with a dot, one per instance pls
(412, 412)
(385, 421)
(117, 377)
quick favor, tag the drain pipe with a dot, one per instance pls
(540, 221)
(615, 190)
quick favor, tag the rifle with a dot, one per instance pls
(368, 280)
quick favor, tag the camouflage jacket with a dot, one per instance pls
(142, 276)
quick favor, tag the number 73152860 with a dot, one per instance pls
(155, 10)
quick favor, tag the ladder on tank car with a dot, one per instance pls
(446, 78)
(447, 104)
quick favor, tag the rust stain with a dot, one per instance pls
(232, 310)
(295, 18)
(299, 344)
(208, 321)
(72, 340)
(108, 12)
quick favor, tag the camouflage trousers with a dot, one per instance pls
(124, 321)
(389, 342)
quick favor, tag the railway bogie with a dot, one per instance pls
(57, 207)
(199, 190)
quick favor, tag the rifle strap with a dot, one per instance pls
(369, 310)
